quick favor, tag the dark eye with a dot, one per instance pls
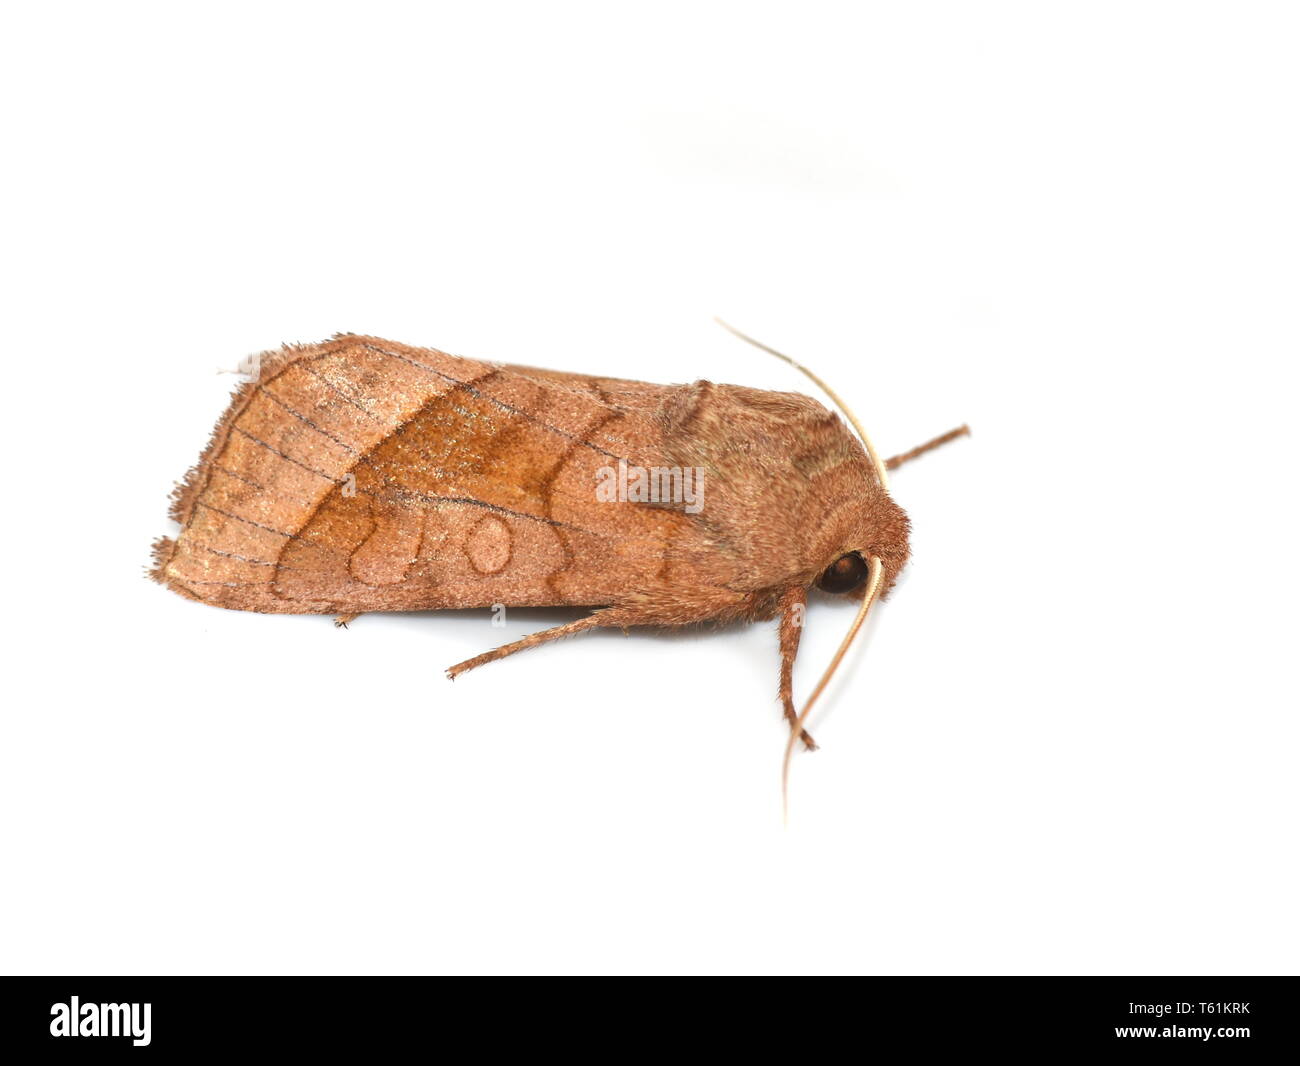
(845, 574)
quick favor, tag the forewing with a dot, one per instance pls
(364, 475)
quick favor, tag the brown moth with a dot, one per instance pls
(363, 475)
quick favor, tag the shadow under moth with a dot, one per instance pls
(363, 475)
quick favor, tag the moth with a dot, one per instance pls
(360, 475)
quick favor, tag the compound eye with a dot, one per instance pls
(845, 574)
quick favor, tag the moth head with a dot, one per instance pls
(871, 526)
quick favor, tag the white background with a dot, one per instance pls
(1068, 741)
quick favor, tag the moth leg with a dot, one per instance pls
(793, 606)
(530, 641)
(895, 461)
(341, 621)
(679, 611)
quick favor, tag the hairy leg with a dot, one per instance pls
(710, 604)
(793, 606)
(592, 621)
(898, 460)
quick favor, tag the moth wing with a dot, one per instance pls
(362, 475)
